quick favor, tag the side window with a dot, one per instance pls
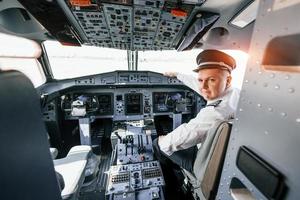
(21, 54)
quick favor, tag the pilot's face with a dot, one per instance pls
(213, 82)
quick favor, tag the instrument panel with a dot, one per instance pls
(166, 101)
(133, 104)
(127, 103)
(93, 104)
(121, 95)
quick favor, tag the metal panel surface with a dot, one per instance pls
(268, 115)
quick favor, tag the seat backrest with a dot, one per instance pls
(210, 158)
(26, 170)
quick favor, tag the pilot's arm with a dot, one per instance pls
(194, 132)
(188, 80)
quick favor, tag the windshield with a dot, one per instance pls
(70, 62)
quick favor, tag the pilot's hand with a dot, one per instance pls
(171, 74)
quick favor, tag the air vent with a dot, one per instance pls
(18, 20)
(25, 14)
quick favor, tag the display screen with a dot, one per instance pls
(165, 101)
(133, 104)
(90, 101)
(105, 104)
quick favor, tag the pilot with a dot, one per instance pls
(179, 147)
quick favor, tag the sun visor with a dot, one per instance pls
(51, 16)
(17, 47)
(202, 24)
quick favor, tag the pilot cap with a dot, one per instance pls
(211, 58)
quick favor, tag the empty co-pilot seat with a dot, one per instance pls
(209, 162)
(72, 169)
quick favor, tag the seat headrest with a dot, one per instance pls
(24, 145)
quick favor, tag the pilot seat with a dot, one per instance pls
(204, 181)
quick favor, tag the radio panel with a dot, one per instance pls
(153, 193)
(132, 177)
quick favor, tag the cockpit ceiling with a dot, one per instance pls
(129, 24)
(135, 25)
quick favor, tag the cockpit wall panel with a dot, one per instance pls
(262, 158)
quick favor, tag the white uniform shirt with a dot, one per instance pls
(194, 132)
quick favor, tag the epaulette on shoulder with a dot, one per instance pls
(214, 104)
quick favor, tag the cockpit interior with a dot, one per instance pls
(99, 97)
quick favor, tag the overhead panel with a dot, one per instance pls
(133, 25)
(171, 25)
(119, 20)
(145, 25)
(94, 25)
(166, 33)
(150, 3)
